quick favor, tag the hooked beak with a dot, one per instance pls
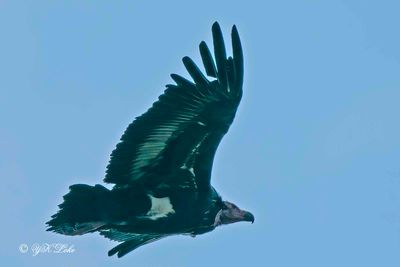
(232, 214)
(248, 217)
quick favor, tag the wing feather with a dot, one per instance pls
(220, 55)
(130, 241)
(208, 61)
(186, 124)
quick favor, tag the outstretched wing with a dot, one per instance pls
(185, 126)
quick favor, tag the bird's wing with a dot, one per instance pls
(130, 241)
(184, 127)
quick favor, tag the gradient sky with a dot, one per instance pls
(313, 153)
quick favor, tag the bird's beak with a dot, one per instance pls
(242, 216)
(248, 217)
(232, 214)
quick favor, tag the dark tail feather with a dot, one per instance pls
(81, 212)
(132, 244)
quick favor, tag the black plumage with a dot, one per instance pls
(161, 168)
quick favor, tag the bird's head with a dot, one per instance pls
(230, 213)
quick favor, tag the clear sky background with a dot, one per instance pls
(314, 151)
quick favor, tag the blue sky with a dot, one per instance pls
(313, 153)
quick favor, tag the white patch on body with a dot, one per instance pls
(160, 208)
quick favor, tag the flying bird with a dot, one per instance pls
(161, 168)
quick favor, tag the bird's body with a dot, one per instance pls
(162, 166)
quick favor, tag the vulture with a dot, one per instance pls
(161, 168)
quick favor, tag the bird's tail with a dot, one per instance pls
(81, 212)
